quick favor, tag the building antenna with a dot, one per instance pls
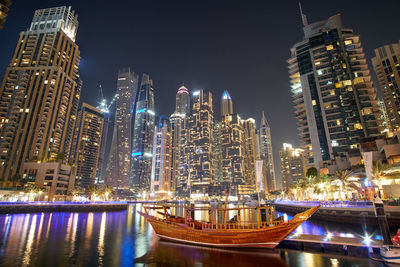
(303, 17)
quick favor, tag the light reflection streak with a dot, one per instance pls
(48, 226)
(27, 253)
(102, 232)
(73, 236)
(40, 229)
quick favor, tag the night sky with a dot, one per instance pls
(239, 46)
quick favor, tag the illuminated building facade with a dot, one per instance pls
(387, 69)
(4, 8)
(266, 152)
(143, 133)
(179, 129)
(249, 151)
(200, 143)
(40, 93)
(86, 146)
(293, 165)
(232, 151)
(333, 95)
(101, 167)
(162, 157)
(226, 104)
(118, 166)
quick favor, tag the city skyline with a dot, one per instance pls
(266, 75)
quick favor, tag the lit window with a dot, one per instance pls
(332, 92)
(314, 103)
(358, 126)
(334, 143)
(338, 122)
(348, 42)
(329, 47)
(347, 82)
(339, 85)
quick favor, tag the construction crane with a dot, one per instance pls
(103, 103)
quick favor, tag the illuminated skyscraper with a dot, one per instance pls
(118, 167)
(232, 151)
(334, 98)
(200, 144)
(86, 146)
(40, 93)
(142, 144)
(226, 104)
(293, 165)
(101, 167)
(266, 152)
(249, 151)
(161, 162)
(387, 69)
(179, 131)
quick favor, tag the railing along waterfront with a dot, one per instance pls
(334, 204)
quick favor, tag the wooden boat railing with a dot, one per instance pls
(227, 225)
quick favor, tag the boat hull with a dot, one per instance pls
(267, 237)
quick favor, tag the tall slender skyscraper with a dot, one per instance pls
(333, 95)
(249, 151)
(161, 162)
(200, 145)
(101, 167)
(387, 70)
(86, 146)
(266, 152)
(40, 93)
(118, 167)
(226, 104)
(142, 144)
(178, 122)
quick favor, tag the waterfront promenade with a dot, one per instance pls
(38, 206)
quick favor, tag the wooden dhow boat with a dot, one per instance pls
(265, 232)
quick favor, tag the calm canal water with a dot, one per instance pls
(125, 239)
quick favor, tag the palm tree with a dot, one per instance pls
(93, 190)
(342, 176)
(76, 191)
(108, 190)
(380, 172)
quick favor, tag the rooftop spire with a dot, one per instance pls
(303, 17)
(264, 121)
(225, 95)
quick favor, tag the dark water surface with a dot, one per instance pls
(125, 239)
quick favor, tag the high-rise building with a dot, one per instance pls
(293, 165)
(200, 144)
(249, 151)
(232, 151)
(86, 146)
(142, 144)
(334, 98)
(266, 152)
(217, 148)
(118, 167)
(40, 93)
(101, 167)
(387, 70)
(161, 161)
(226, 104)
(178, 122)
(4, 8)
(182, 105)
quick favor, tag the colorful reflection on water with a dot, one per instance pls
(123, 239)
